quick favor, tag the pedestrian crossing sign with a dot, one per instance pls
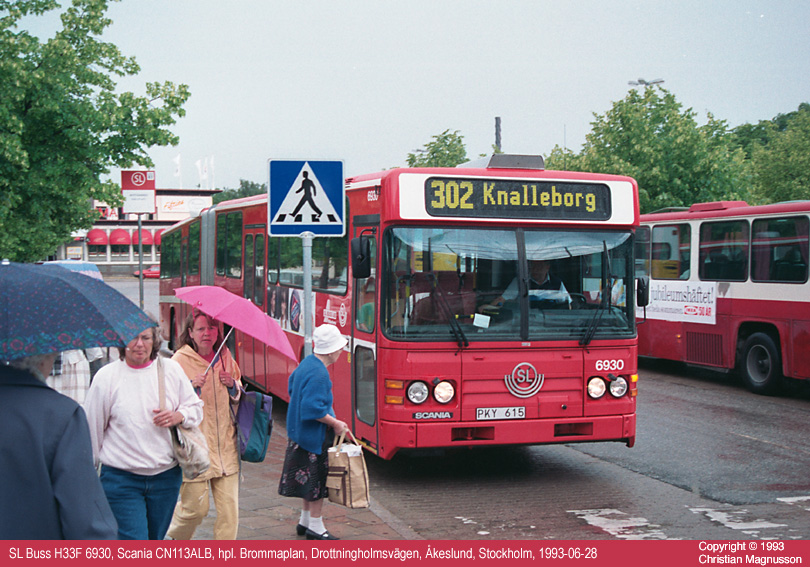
(306, 196)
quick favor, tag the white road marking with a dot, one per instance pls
(620, 525)
(735, 520)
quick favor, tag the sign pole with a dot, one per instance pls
(138, 190)
(307, 237)
(140, 260)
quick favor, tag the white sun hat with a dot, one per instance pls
(327, 339)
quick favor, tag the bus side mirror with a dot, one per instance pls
(643, 291)
(361, 257)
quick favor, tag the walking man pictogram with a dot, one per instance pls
(308, 188)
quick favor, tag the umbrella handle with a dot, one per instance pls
(218, 351)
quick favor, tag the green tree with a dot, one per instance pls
(246, 189)
(649, 137)
(751, 136)
(781, 167)
(446, 150)
(63, 126)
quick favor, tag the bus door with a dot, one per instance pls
(365, 319)
(253, 352)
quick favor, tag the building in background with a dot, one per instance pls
(112, 243)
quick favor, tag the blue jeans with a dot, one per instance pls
(143, 505)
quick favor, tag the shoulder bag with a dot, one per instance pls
(188, 443)
(254, 423)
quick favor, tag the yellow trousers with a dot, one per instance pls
(193, 506)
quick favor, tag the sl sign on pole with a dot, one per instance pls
(306, 196)
(138, 188)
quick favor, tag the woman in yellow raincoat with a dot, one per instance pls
(219, 387)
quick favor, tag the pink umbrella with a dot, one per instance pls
(239, 313)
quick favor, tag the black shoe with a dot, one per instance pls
(324, 535)
(300, 530)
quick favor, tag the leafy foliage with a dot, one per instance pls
(781, 165)
(649, 137)
(751, 136)
(63, 126)
(446, 150)
(246, 189)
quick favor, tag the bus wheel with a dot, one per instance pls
(761, 364)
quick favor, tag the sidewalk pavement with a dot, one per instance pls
(264, 515)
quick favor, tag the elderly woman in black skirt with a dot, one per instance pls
(309, 418)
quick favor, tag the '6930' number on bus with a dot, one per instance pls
(607, 365)
(451, 195)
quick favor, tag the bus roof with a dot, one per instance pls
(485, 172)
(726, 209)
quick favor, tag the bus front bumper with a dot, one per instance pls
(447, 434)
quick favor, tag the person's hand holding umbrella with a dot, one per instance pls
(199, 381)
(226, 379)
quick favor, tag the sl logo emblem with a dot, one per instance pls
(524, 381)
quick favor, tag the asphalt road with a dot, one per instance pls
(711, 461)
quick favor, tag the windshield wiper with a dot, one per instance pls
(605, 301)
(455, 326)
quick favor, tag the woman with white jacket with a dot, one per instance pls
(131, 435)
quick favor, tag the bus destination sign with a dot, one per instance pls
(518, 199)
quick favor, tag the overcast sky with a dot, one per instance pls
(369, 81)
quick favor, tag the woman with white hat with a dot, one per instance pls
(309, 417)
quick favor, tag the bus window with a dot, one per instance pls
(330, 256)
(234, 243)
(258, 296)
(642, 251)
(222, 243)
(229, 245)
(272, 260)
(366, 295)
(482, 284)
(249, 280)
(194, 248)
(779, 250)
(724, 251)
(365, 381)
(170, 255)
(291, 260)
(671, 251)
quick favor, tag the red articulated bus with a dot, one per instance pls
(729, 289)
(485, 305)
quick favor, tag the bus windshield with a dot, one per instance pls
(468, 284)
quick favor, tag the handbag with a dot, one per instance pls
(254, 424)
(188, 443)
(347, 476)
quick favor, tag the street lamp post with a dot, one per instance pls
(642, 82)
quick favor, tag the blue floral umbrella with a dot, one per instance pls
(47, 308)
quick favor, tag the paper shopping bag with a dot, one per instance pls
(347, 478)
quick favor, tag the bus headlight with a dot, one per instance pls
(417, 392)
(444, 392)
(596, 387)
(618, 387)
